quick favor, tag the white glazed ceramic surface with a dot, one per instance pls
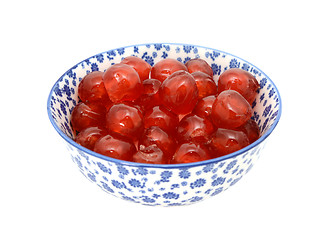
(165, 185)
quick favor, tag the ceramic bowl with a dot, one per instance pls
(164, 185)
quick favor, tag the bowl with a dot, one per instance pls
(163, 185)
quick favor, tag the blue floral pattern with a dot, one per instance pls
(170, 185)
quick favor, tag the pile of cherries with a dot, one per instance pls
(166, 114)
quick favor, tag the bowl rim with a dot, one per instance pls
(166, 166)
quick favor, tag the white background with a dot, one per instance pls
(43, 195)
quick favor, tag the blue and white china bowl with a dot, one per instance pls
(165, 185)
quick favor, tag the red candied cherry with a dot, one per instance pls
(251, 129)
(161, 117)
(239, 80)
(150, 96)
(190, 152)
(179, 92)
(225, 141)
(206, 85)
(204, 106)
(122, 83)
(125, 119)
(164, 68)
(115, 147)
(141, 67)
(88, 136)
(86, 115)
(150, 154)
(91, 89)
(230, 110)
(157, 136)
(193, 128)
(198, 64)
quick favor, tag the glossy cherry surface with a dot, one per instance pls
(157, 136)
(241, 81)
(86, 115)
(179, 92)
(150, 96)
(125, 119)
(206, 85)
(199, 65)
(122, 83)
(193, 128)
(141, 67)
(115, 147)
(88, 136)
(190, 152)
(150, 154)
(164, 68)
(160, 116)
(225, 141)
(230, 110)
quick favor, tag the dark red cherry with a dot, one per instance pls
(88, 136)
(161, 117)
(86, 115)
(122, 83)
(150, 154)
(239, 80)
(230, 110)
(164, 68)
(193, 128)
(115, 147)
(190, 152)
(141, 67)
(206, 85)
(157, 136)
(225, 141)
(179, 92)
(125, 119)
(197, 64)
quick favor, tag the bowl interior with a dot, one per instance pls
(64, 97)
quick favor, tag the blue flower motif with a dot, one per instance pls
(136, 49)
(148, 200)
(170, 195)
(99, 58)
(149, 60)
(230, 166)
(271, 92)
(165, 175)
(245, 67)
(216, 69)
(158, 46)
(266, 111)
(122, 170)
(263, 82)
(198, 183)
(167, 47)
(106, 187)
(195, 199)
(104, 168)
(121, 51)
(184, 173)
(117, 184)
(135, 183)
(94, 67)
(92, 176)
(218, 190)
(142, 171)
(187, 48)
(208, 168)
(164, 55)
(218, 181)
(234, 63)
